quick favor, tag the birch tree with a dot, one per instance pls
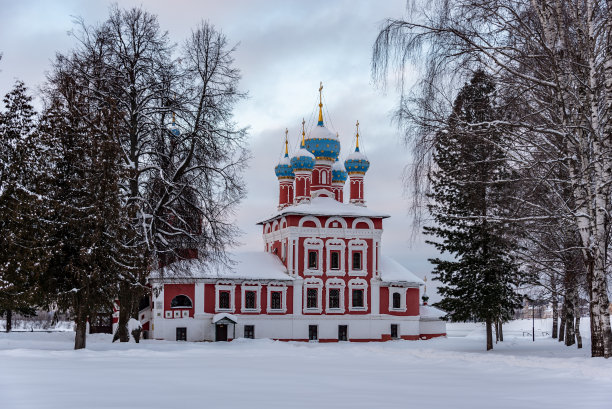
(554, 58)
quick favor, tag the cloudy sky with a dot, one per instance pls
(285, 49)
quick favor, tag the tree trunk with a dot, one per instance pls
(555, 307)
(125, 312)
(496, 331)
(577, 329)
(601, 335)
(570, 335)
(80, 335)
(501, 332)
(489, 325)
(9, 320)
(562, 322)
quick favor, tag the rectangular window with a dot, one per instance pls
(313, 332)
(393, 330)
(334, 262)
(249, 300)
(356, 260)
(334, 298)
(312, 260)
(342, 332)
(358, 298)
(249, 331)
(312, 300)
(275, 300)
(224, 300)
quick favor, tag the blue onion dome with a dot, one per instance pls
(339, 173)
(283, 170)
(323, 143)
(173, 128)
(303, 160)
(357, 162)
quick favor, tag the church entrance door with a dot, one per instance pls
(221, 332)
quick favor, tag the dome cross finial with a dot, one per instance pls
(357, 136)
(286, 143)
(320, 123)
(303, 132)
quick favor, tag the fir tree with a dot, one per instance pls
(468, 186)
(21, 252)
(88, 223)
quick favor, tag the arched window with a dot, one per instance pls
(397, 302)
(323, 177)
(181, 301)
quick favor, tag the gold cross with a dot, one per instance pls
(320, 93)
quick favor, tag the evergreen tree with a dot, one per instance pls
(21, 252)
(88, 223)
(468, 186)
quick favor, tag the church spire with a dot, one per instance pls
(304, 132)
(320, 123)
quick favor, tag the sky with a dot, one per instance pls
(284, 50)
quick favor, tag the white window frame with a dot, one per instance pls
(339, 285)
(316, 283)
(231, 287)
(251, 286)
(311, 244)
(402, 292)
(281, 288)
(361, 246)
(358, 284)
(335, 245)
(177, 313)
(168, 314)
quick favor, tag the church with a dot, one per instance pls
(322, 275)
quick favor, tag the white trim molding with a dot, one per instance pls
(313, 219)
(225, 286)
(338, 284)
(335, 245)
(276, 287)
(365, 220)
(316, 283)
(361, 246)
(251, 286)
(336, 222)
(313, 244)
(358, 284)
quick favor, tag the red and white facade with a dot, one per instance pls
(322, 275)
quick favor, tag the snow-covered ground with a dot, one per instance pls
(39, 370)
